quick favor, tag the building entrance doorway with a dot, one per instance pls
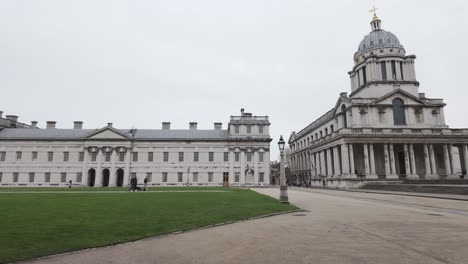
(120, 177)
(105, 177)
(225, 179)
(91, 177)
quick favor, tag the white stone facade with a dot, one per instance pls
(238, 156)
(385, 129)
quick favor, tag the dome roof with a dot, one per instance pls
(378, 39)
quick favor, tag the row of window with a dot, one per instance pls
(107, 156)
(47, 176)
(249, 129)
(180, 176)
(35, 154)
(149, 176)
(309, 140)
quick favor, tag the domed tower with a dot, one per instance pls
(381, 65)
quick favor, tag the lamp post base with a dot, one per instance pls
(284, 194)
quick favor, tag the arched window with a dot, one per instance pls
(398, 112)
(345, 121)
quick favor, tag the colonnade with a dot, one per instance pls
(382, 160)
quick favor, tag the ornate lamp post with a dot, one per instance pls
(283, 185)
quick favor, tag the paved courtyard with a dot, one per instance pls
(338, 227)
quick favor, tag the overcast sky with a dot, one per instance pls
(139, 63)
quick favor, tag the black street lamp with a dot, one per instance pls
(283, 185)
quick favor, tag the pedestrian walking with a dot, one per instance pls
(146, 183)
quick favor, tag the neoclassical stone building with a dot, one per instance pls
(384, 129)
(236, 156)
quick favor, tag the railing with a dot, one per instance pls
(258, 118)
(406, 131)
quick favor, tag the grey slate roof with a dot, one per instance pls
(31, 133)
(379, 39)
(142, 134)
(139, 134)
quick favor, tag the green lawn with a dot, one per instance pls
(38, 224)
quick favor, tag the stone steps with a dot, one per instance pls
(419, 188)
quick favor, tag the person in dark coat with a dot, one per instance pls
(133, 184)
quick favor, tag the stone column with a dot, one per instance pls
(392, 162)
(433, 163)
(456, 161)
(372, 162)
(231, 168)
(352, 169)
(366, 160)
(412, 163)
(112, 176)
(266, 166)
(465, 156)
(84, 179)
(242, 167)
(98, 179)
(345, 160)
(389, 71)
(407, 160)
(323, 170)
(397, 70)
(427, 163)
(387, 162)
(329, 163)
(336, 161)
(255, 160)
(448, 170)
(126, 180)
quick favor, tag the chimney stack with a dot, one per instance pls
(77, 124)
(12, 118)
(422, 95)
(51, 124)
(193, 125)
(33, 124)
(242, 111)
(1, 113)
(218, 126)
(166, 125)
(109, 124)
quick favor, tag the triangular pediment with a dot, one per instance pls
(107, 133)
(407, 98)
(341, 100)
